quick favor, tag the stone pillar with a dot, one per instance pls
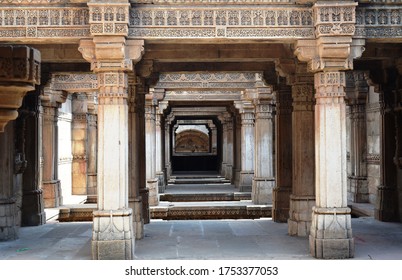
(229, 147)
(159, 145)
(237, 142)
(331, 231)
(168, 147)
(264, 177)
(214, 137)
(79, 135)
(246, 110)
(51, 101)
(32, 209)
(92, 145)
(222, 118)
(302, 198)
(283, 155)
(135, 200)
(357, 90)
(386, 209)
(150, 147)
(21, 74)
(112, 57)
(332, 52)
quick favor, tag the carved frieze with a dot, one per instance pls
(74, 82)
(26, 22)
(225, 22)
(330, 84)
(209, 80)
(379, 22)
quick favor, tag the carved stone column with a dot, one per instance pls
(283, 155)
(79, 135)
(150, 145)
(302, 198)
(332, 52)
(237, 155)
(331, 232)
(92, 145)
(357, 90)
(159, 145)
(222, 118)
(135, 199)
(51, 102)
(112, 56)
(32, 209)
(264, 177)
(229, 151)
(247, 113)
(168, 147)
(387, 196)
(19, 73)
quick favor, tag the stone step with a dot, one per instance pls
(244, 209)
(188, 197)
(198, 181)
(210, 211)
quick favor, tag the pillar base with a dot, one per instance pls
(331, 233)
(33, 213)
(52, 194)
(8, 220)
(246, 181)
(262, 189)
(138, 220)
(300, 209)
(113, 235)
(358, 189)
(386, 205)
(161, 182)
(229, 172)
(280, 204)
(152, 186)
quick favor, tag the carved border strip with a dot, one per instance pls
(216, 22)
(74, 82)
(379, 22)
(24, 22)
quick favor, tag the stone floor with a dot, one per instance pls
(202, 240)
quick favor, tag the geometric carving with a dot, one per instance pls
(42, 22)
(201, 22)
(108, 18)
(209, 80)
(74, 82)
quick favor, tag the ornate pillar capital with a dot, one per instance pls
(356, 87)
(334, 48)
(19, 73)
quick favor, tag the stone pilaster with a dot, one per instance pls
(302, 198)
(150, 149)
(79, 136)
(112, 57)
(264, 177)
(168, 147)
(237, 149)
(357, 90)
(246, 174)
(283, 158)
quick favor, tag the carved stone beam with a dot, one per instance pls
(19, 73)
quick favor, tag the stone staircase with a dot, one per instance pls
(189, 197)
(206, 196)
